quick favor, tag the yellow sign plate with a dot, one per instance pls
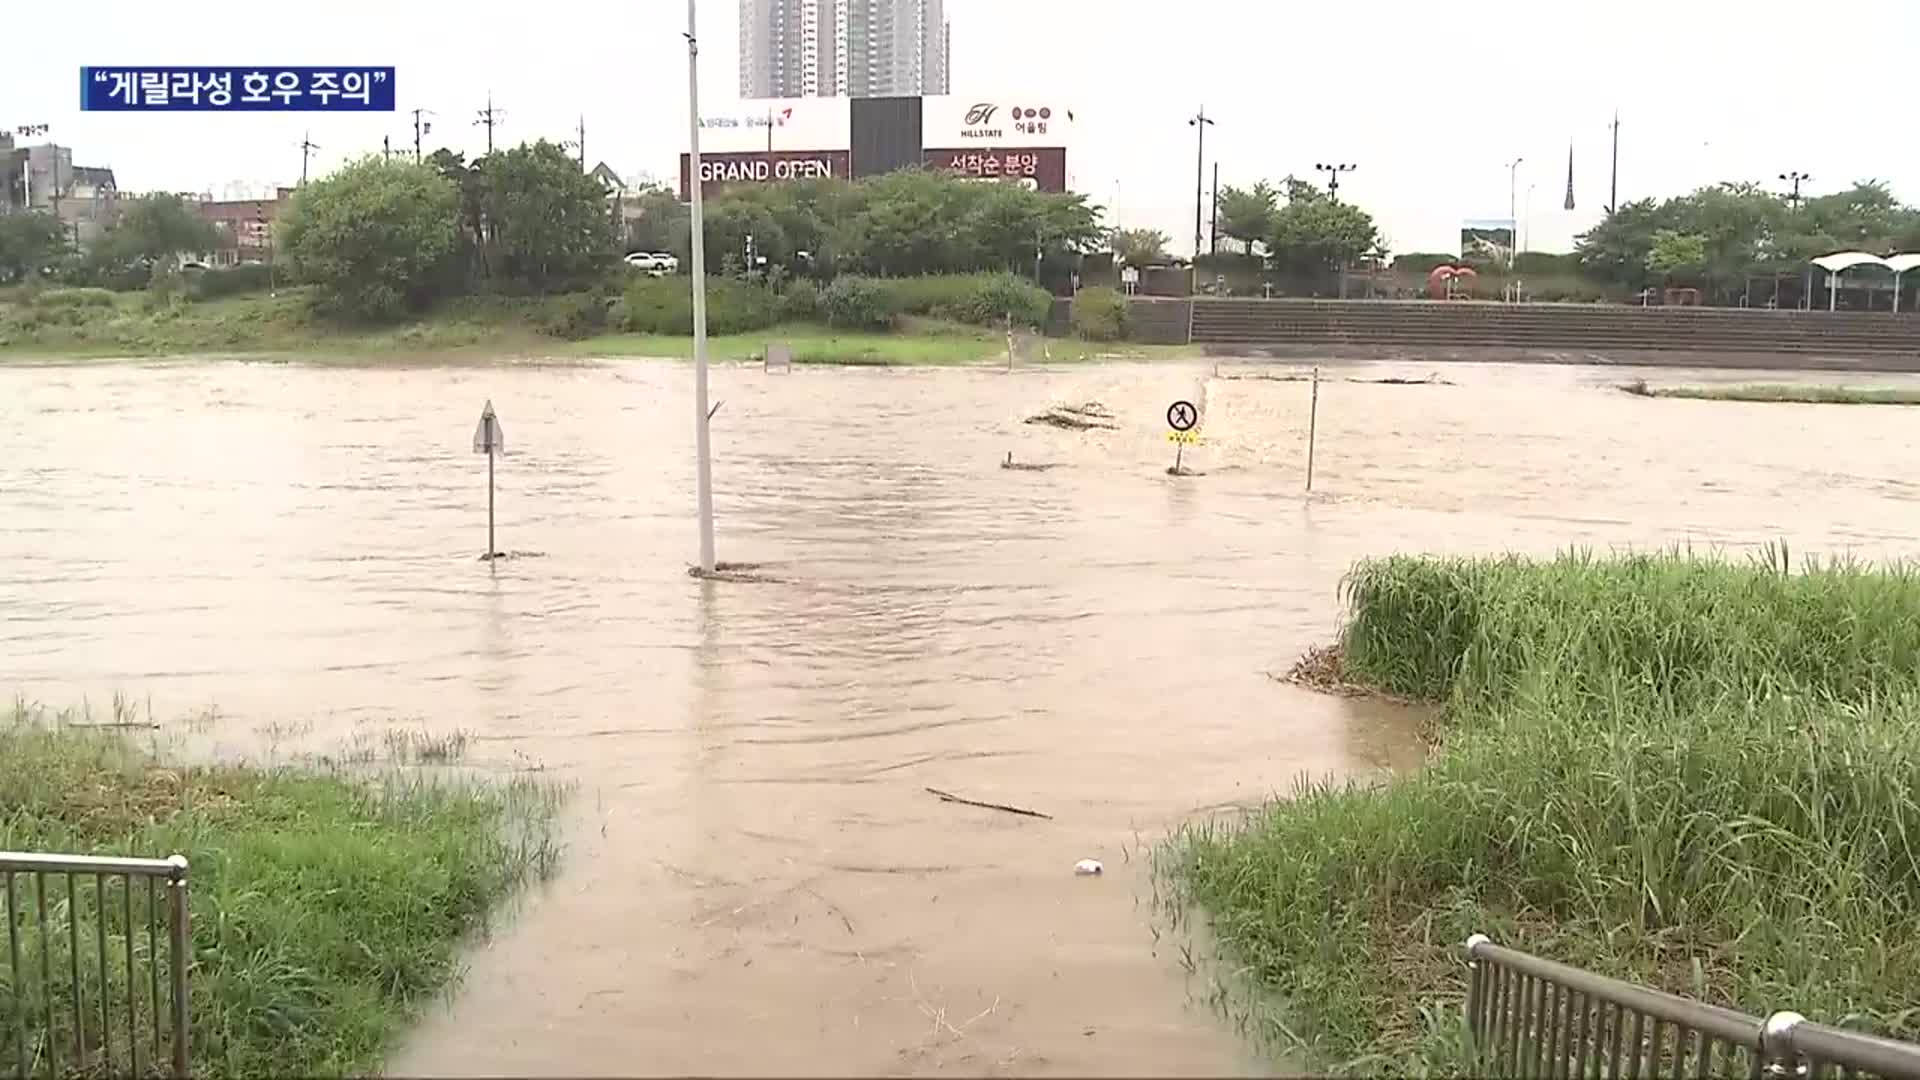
(1188, 437)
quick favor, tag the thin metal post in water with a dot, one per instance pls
(1313, 426)
(180, 946)
(491, 549)
(703, 454)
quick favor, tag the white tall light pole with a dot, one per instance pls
(1513, 209)
(702, 448)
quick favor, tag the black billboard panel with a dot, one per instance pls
(886, 135)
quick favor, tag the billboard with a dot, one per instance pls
(1043, 168)
(1487, 240)
(728, 169)
(1002, 120)
(815, 123)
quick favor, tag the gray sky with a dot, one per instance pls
(1411, 91)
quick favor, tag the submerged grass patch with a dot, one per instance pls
(328, 906)
(1685, 771)
(1780, 392)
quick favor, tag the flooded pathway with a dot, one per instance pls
(757, 878)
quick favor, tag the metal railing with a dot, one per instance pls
(83, 993)
(1536, 1018)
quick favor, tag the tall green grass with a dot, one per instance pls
(327, 907)
(1681, 770)
(1780, 392)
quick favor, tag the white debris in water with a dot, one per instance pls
(1088, 868)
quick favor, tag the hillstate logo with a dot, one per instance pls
(978, 120)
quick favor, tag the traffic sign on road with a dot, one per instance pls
(1181, 416)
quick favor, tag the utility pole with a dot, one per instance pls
(583, 142)
(490, 116)
(702, 445)
(1613, 186)
(1200, 122)
(386, 148)
(1333, 177)
(307, 147)
(418, 127)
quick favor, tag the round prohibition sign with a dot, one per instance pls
(1181, 416)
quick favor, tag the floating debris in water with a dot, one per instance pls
(1022, 466)
(1089, 868)
(732, 571)
(1087, 417)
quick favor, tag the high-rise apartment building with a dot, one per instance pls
(843, 48)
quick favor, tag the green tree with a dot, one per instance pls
(469, 266)
(1247, 214)
(374, 236)
(1678, 256)
(546, 220)
(1139, 247)
(29, 242)
(660, 221)
(1314, 234)
(155, 229)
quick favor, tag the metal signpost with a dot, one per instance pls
(1313, 425)
(488, 439)
(1181, 417)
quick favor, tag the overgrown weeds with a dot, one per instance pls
(1681, 770)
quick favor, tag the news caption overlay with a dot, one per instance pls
(236, 89)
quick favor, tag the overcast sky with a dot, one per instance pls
(1431, 99)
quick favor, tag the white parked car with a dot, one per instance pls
(667, 263)
(641, 260)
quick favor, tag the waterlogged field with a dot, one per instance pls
(1685, 771)
(756, 877)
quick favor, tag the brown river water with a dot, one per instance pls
(756, 879)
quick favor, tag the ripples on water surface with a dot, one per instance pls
(757, 880)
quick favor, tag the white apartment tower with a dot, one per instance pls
(843, 48)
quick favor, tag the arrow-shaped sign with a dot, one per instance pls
(487, 437)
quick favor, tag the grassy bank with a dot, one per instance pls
(326, 908)
(282, 327)
(1780, 392)
(1688, 772)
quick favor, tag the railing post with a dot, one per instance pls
(1476, 991)
(1783, 1061)
(181, 946)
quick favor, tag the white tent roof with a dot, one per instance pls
(1843, 260)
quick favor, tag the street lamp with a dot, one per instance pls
(1333, 179)
(1513, 215)
(1200, 122)
(702, 444)
(1796, 178)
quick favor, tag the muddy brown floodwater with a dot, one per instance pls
(757, 880)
